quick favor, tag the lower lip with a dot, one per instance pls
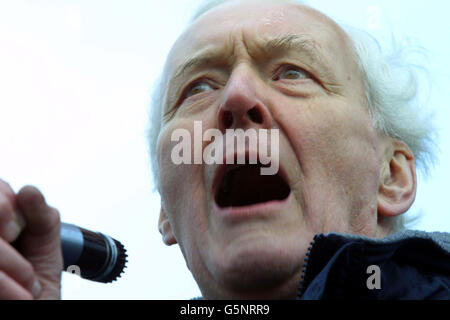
(248, 212)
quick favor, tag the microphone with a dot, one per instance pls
(92, 255)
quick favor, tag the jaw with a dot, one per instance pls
(253, 265)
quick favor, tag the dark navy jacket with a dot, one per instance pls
(411, 265)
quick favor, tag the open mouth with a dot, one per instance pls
(243, 185)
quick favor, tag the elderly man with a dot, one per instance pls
(324, 224)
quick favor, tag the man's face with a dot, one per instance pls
(267, 65)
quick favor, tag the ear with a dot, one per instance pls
(398, 182)
(165, 229)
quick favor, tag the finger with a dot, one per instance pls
(11, 220)
(40, 242)
(16, 266)
(42, 219)
(11, 290)
(6, 189)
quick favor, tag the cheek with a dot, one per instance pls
(337, 153)
(332, 137)
(175, 193)
(181, 187)
(180, 148)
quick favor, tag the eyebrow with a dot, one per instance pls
(300, 42)
(303, 44)
(206, 57)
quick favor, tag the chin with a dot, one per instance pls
(256, 264)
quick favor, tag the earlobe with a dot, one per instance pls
(165, 228)
(398, 183)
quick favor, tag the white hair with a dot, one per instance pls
(391, 84)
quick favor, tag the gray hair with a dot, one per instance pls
(391, 84)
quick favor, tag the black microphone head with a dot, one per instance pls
(116, 261)
(94, 255)
(118, 266)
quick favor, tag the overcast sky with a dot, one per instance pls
(75, 83)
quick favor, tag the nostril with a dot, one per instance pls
(228, 119)
(255, 115)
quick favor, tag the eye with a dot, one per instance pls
(197, 88)
(292, 73)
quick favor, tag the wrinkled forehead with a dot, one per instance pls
(256, 21)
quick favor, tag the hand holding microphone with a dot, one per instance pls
(31, 269)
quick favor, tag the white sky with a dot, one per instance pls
(75, 82)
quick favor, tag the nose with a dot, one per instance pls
(242, 105)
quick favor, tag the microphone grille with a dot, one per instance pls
(119, 264)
